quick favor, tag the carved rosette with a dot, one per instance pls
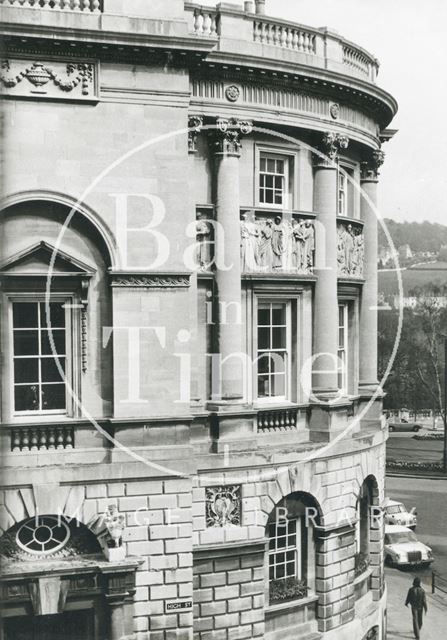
(223, 506)
(330, 146)
(276, 245)
(350, 250)
(370, 168)
(195, 124)
(228, 133)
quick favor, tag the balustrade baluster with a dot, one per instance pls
(213, 26)
(294, 44)
(43, 439)
(289, 43)
(69, 439)
(15, 440)
(283, 36)
(34, 441)
(264, 33)
(25, 440)
(59, 438)
(207, 24)
(85, 5)
(96, 6)
(76, 5)
(51, 438)
(57, 4)
(45, 4)
(300, 40)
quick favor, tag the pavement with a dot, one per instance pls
(399, 617)
(430, 499)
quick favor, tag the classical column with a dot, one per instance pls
(227, 260)
(325, 382)
(368, 309)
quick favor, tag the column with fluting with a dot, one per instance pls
(368, 307)
(325, 347)
(228, 371)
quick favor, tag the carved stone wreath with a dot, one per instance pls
(223, 506)
(232, 93)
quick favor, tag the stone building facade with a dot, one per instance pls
(192, 437)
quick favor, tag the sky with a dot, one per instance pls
(409, 37)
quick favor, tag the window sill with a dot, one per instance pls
(291, 604)
(363, 576)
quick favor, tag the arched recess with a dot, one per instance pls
(291, 557)
(367, 522)
(70, 204)
(34, 243)
(57, 582)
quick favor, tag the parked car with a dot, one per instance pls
(404, 425)
(396, 513)
(403, 549)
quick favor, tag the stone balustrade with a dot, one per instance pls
(327, 48)
(277, 420)
(359, 62)
(283, 35)
(204, 22)
(91, 6)
(42, 437)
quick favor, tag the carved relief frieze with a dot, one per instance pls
(205, 244)
(350, 250)
(274, 244)
(223, 506)
(52, 79)
(155, 280)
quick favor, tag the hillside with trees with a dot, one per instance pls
(420, 236)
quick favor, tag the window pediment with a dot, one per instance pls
(37, 259)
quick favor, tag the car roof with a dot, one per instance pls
(396, 528)
(388, 502)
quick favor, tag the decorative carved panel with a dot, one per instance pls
(350, 250)
(162, 280)
(49, 79)
(274, 245)
(223, 506)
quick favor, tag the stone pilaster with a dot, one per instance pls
(335, 578)
(368, 310)
(227, 141)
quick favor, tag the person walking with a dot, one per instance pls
(418, 602)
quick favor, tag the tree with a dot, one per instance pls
(417, 380)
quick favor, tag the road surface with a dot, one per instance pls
(430, 499)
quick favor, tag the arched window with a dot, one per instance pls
(365, 502)
(291, 554)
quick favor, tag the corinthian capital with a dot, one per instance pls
(370, 168)
(228, 133)
(330, 146)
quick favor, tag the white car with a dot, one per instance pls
(403, 549)
(396, 513)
